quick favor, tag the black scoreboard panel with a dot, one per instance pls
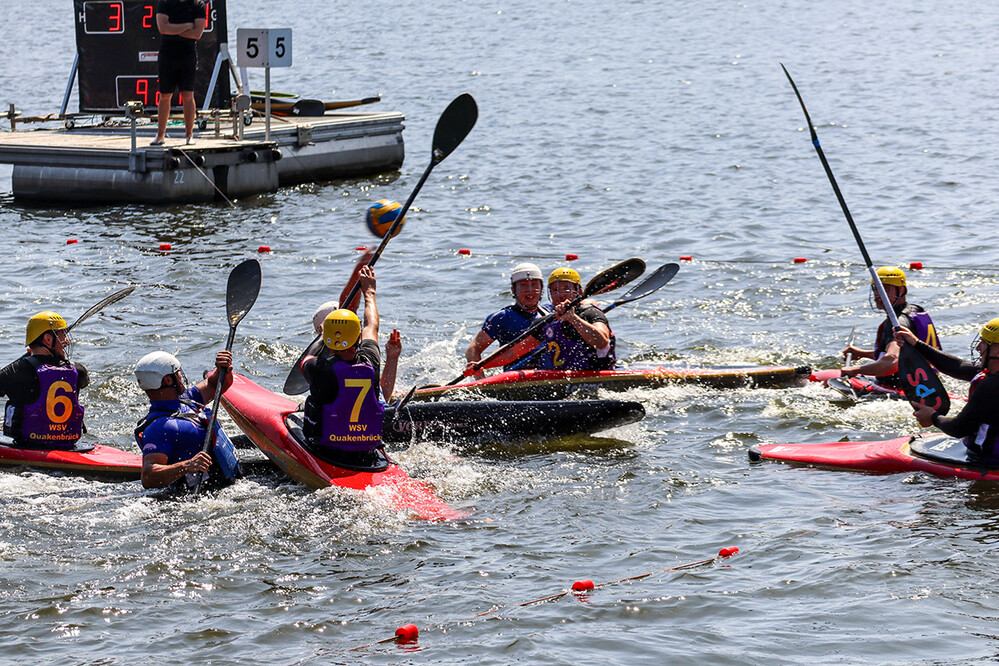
(117, 43)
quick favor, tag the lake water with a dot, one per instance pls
(607, 130)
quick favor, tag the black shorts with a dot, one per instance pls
(177, 72)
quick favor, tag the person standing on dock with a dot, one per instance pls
(42, 387)
(343, 413)
(978, 422)
(180, 23)
(886, 350)
(172, 434)
(527, 286)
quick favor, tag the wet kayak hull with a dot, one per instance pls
(561, 384)
(930, 452)
(263, 417)
(507, 420)
(104, 462)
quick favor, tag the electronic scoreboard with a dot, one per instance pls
(117, 44)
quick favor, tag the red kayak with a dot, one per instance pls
(862, 389)
(104, 462)
(559, 384)
(932, 453)
(274, 423)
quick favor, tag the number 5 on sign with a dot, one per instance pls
(263, 48)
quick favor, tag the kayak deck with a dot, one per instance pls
(507, 420)
(932, 453)
(261, 415)
(559, 384)
(105, 462)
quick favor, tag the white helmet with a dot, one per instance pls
(320, 316)
(525, 271)
(152, 368)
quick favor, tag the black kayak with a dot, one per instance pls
(492, 420)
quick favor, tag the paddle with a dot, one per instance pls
(453, 126)
(650, 284)
(835, 373)
(240, 295)
(113, 298)
(920, 381)
(609, 280)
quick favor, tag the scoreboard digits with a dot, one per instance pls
(117, 42)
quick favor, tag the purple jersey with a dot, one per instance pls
(56, 418)
(353, 421)
(565, 349)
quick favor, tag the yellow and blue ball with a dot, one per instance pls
(382, 215)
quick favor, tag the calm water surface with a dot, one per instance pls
(607, 130)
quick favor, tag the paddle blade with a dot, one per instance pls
(614, 277)
(654, 282)
(113, 298)
(241, 291)
(453, 126)
(295, 384)
(920, 381)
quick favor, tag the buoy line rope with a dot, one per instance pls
(409, 633)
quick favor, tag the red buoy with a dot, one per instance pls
(800, 260)
(71, 241)
(407, 633)
(361, 248)
(164, 246)
(465, 251)
(728, 552)
(916, 265)
(264, 248)
(582, 586)
(571, 257)
(686, 257)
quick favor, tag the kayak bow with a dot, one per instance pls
(932, 453)
(272, 423)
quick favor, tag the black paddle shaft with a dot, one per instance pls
(241, 293)
(453, 126)
(921, 383)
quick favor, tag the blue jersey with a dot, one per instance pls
(504, 326)
(175, 437)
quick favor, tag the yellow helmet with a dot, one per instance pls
(43, 322)
(891, 275)
(990, 332)
(564, 274)
(341, 329)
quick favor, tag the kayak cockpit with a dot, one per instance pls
(948, 451)
(358, 461)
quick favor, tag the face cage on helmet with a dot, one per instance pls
(983, 358)
(578, 290)
(67, 345)
(872, 303)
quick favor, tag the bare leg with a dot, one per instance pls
(163, 115)
(190, 112)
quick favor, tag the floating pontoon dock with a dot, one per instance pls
(99, 165)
